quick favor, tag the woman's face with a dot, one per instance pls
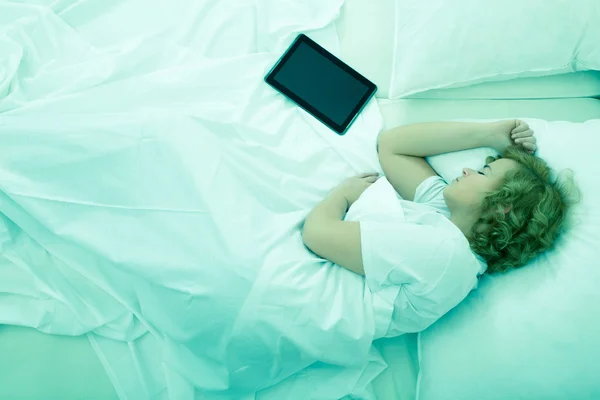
(466, 193)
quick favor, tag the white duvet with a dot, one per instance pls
(152, 188)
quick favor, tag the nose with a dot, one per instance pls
(467, 171)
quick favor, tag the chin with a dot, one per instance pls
(444, 191)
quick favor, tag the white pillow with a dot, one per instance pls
(533, 333)
(450, 165)
(366, 34)
(453, 43)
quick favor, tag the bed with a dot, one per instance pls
(36, 364)
(67, 367)
(41, 365)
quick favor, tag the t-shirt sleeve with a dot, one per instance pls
(432, 269)
(401, 253)
(431, 189)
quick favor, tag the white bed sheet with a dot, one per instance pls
(153, 187)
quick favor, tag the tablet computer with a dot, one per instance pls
(321, 83)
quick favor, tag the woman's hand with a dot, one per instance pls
(513, 132)
(353, 187)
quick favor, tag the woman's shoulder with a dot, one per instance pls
(430, 189)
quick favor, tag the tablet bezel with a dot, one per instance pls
(302, 38)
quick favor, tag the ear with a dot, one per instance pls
(507, 209)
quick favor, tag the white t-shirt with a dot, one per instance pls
(417, 263)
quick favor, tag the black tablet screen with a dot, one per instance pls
(321, 83)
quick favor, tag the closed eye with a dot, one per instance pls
(479, 172)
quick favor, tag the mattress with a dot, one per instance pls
(405, 111)
(36, 365)
(67, 367)
(366, 31)
(578, 84)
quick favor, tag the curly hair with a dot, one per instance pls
(536, 219)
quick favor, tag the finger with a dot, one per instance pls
(371, 178)
(520, 128)
(523, 141)
(530, 147)
(524, 133)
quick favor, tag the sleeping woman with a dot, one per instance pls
(422, 242)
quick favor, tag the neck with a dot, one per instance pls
(464, 223)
